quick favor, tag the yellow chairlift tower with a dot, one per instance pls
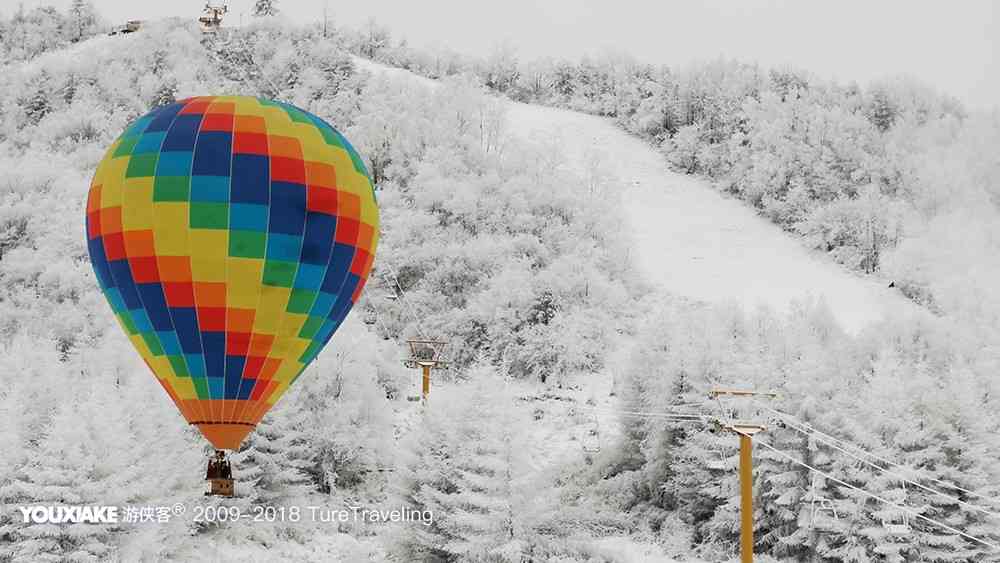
(211, 19)
(746, 428)
(426, 355)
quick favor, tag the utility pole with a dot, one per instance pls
(746, 430)
(326, 5)
(425, 388)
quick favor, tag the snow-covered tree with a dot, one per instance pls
(265, 8)
(464, 467)
(83, 18)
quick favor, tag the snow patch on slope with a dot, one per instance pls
(692, 241)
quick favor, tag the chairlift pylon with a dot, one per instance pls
(426, 355)
(211, 19)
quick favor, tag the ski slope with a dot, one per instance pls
(692, 241)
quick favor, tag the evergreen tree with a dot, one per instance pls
(881, 110)
(464, 467)
(374, 38)
(63, 470)
(265, 8)
(271, 466)
(82, 19)
(38, 103)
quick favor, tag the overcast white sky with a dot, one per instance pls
(951, 45)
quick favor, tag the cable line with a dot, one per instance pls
(836, 443)
(905, 509)
(643, 414)
(402, 297)
(661, 416)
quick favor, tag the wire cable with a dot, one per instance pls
(678, 416)
(905, 509)
(840, 445)
(629, 410)
(635, 413)
(809, 431)
(828, 476)
(402, 297)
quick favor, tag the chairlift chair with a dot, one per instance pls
(717, 459)
(897, 528)
(371, 315)
(819, 504)
(902, 527)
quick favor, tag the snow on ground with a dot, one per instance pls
(692, 241)
(378, 68)
(624, 549)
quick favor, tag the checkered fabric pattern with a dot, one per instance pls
(231, 236)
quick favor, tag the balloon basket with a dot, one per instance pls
(219, 476)
(221, 488)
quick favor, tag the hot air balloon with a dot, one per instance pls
(231, 235)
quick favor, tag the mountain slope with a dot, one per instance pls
(693, 242)
(689, 240)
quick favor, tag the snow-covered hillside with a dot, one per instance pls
(694, 242)
(590, 296)
(689, 240)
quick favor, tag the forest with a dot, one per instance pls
(518, 261)
(878, 176)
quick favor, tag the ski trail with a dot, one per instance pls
(692, 241)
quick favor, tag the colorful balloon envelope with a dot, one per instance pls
(231, 236)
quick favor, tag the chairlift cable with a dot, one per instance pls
(884, 460)
(635, 413)
(693, 416)
(381, 323)
(643, 414)
(836, 443)
(389, 271)
(905, 509)
(902, 478)
(830, 477)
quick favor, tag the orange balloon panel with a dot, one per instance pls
(231, 236)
